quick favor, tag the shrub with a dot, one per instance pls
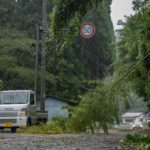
(137, 142)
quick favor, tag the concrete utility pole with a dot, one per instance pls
(43, 61)
(36, 60)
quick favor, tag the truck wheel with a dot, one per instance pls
(13, 130)
(1, 129)
(45, 121)
(29, 122)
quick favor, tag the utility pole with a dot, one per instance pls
(43, 53)
(36, 60)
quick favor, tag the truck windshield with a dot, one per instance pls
(13, 97)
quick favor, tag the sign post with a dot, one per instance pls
(87, 30)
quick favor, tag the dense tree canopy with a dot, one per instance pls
(64, 11)
(134, 48)
(70, 71)
(76, 66)
(22, 15)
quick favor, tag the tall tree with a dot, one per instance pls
(134, 48)
(21, 14)
(83, 60)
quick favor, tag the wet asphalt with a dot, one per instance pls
(12, 141)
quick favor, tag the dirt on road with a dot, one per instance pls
(9, 141)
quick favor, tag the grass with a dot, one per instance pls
(123, 126)
(41, 129)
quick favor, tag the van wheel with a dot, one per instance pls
(29, 122)
(1, 129)
(13, 130)
(45, 121)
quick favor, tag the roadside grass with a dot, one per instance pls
(41, 129)
(128, 126)
(122, 126)
(58, 125)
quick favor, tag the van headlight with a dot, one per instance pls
(23, 112)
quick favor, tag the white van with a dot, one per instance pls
(18, 108)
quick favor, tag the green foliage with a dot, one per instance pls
(57, 125)
(137, 142)
(69, 72)
(134, 48)
(77, 62)
(41, 129)
(149, 125)
(22, 15)
(100, 108)
(16, 61)
(69, 14)
(60, 121)
(65, 11)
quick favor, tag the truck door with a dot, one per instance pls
(32, 108)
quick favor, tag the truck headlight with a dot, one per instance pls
(23, 112)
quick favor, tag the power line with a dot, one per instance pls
(129, 71)
(135, 66)
(87, 52)
(14, 41)
(26, 47)
(122, 78)
(98, 64)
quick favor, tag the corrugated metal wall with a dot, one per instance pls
(54, 108)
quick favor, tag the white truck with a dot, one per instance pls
(18, 108)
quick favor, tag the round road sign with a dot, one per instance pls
(87, 30)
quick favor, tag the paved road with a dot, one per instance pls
(9, 141)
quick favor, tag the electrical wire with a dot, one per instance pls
(26, 47)
(122, 78)
(127, 74)
(14, 41)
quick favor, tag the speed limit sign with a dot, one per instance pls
(87, 30)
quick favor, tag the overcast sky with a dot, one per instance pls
(120, 8)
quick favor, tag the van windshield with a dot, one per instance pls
(17, 97)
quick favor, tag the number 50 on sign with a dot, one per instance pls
(87, 30)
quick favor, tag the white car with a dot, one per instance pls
(138, 125)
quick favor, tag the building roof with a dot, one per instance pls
(63, 100)
(17, 91)
(132, 114)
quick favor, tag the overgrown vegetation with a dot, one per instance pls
(77, 68)
(134, 49)
(57, 125)
(41, 129)
(136, 142)
(99, 109)
(70, 71)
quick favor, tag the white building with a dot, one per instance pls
(133, 117)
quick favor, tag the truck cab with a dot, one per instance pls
(18, 108)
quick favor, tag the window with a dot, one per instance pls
(141, 119)
(14, 97)
(128, 120)
(8, 98)
(32, 102)
(21, 97)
